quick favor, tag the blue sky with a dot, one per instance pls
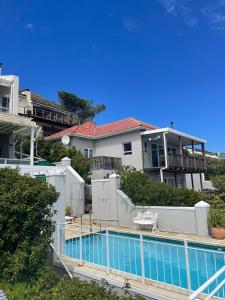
(155, 60)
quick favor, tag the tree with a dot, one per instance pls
(55, 151)
(142, 191)
(26, 224)
(215, 167)
(83, 108)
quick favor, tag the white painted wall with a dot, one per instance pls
(82, 143)
(113, 146)
(14, 93)
(111, 206)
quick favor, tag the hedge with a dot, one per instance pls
(142, 191)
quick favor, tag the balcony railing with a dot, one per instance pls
(106, 163)
(14, 161)
(175, 161)
(47, 114)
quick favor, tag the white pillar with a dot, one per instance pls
(201, 214)
(114, 184)
(32, 146)
(66, 161)
(58, 181)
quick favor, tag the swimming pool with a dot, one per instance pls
(154, 258)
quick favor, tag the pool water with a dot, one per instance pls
(163, 259)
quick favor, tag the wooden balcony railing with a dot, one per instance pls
(106, 163)
(175, 161)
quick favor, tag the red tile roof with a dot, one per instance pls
(90, 129)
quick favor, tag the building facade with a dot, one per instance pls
(159, 152)
(11, 123)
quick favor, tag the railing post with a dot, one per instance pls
(81, 223)
(81, 258)
(142, 259)
(59, 244)
(107, 251)
(187, 265)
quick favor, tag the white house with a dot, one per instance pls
(11, 123)
(159, 152)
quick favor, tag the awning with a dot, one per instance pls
(174, 134)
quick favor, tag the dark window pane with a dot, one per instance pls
(127, 148)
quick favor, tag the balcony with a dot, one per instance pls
(175, 162)
(106, 163)
(187, 163)
(49, 115)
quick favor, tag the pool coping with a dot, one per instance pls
(179, 237)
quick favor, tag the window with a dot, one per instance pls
(88, 153)
(4, 103)
(127, 148)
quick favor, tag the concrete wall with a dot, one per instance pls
(111, 206)
(74, 191)
(74, 188)
(82, 143)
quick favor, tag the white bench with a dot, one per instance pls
(68, 220)
(147, 218)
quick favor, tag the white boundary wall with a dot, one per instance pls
(111, 206)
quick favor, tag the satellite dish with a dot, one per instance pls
(65, 140)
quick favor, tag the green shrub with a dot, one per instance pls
(26, 225)
(214, 167)
(142, 191)
(68, 211)
(49, 286)
(216, 218)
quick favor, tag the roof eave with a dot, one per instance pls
(171, 130)
(102, 136)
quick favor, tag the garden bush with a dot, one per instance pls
(142, 191)
(26, 225)
(49, 286)
(216, 218)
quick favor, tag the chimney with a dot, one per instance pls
(171, 124)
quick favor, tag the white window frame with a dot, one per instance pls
(89, 150)
(127, 152)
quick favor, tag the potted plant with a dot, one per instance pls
(216, 222)
(68, 211)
